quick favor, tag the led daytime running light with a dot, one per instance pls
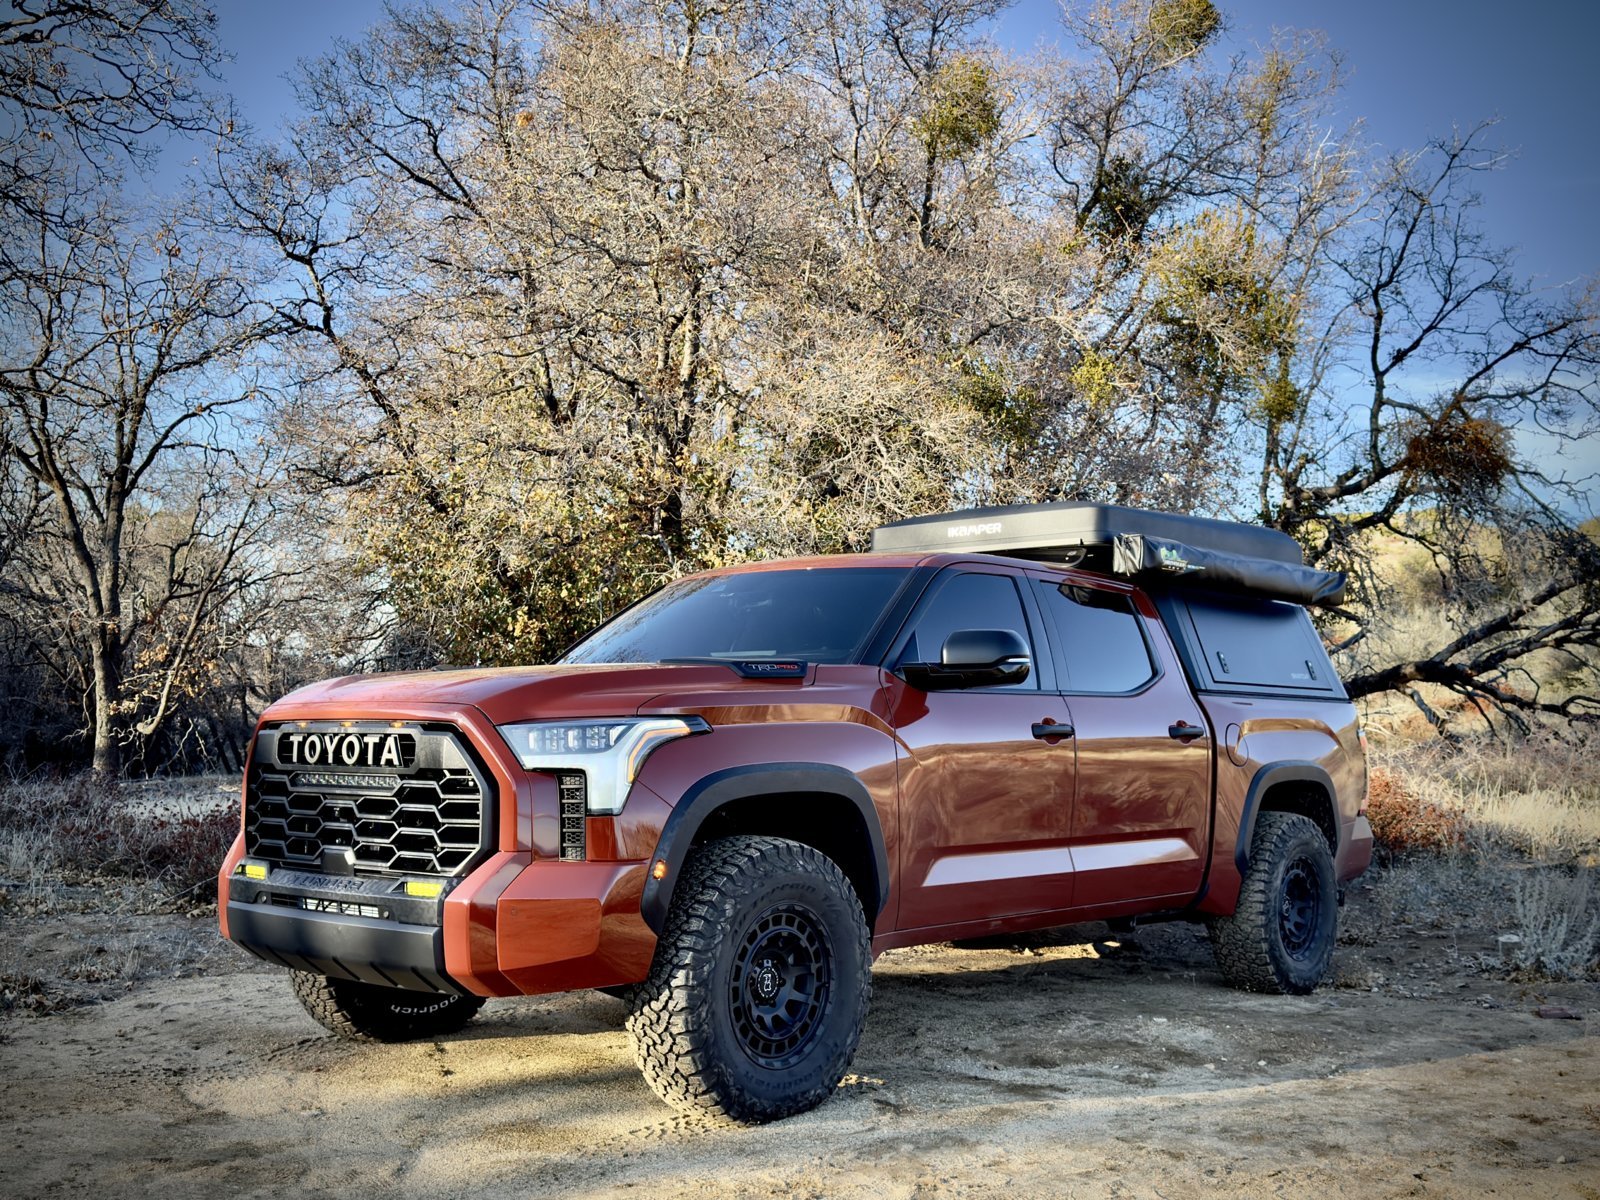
(610, 752)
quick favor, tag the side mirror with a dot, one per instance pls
(973, 658)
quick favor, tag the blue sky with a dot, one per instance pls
(1416, 68)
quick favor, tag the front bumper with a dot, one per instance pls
(380, 952)
(343, 927)
(515, 926)
(519, 922)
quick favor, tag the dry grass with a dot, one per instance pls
(61, 833)
(1502, 834)
(102, 888)
(1539, 797)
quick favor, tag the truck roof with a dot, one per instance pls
(878, 558)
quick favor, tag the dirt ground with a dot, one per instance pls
(1047, 1066)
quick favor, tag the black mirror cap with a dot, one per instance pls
(974, 658)
(968, 648)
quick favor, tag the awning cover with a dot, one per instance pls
(1139, 556)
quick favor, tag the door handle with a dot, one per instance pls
(1184, 732)
(1045, 730)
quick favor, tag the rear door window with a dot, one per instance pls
(1099, 641)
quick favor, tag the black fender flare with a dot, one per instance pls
(713, 791)
(1289, 771)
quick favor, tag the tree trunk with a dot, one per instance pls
(107, 693)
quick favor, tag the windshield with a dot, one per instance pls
(822, 615)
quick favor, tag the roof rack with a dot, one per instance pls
(1132, 542)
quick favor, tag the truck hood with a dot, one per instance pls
(508, 694)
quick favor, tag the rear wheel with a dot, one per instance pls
(367, 1012)
(755, 1002)
(1282, 933)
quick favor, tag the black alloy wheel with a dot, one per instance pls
(1299, 908)
(760, 985)
(778, 989)
(1281, 935)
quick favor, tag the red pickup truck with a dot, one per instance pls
(723, 803)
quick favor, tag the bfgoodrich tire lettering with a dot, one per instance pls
(755, 1002)
(1282, 933)
(366, 1012)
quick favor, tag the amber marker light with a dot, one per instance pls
(659, 871)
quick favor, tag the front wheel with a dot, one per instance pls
(755, 1002)
(1281, 935)
(370, 1013)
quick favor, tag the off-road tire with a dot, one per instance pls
(366, 1012)
(1282, 932)
(759, 989)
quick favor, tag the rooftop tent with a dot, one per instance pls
(1131, 542)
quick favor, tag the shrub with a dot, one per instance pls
(1403, 822)
(1560, 931)
(1537, 796)
(79, 828)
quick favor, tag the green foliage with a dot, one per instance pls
(503, 538)
(1123, 201)
(1280, 399)
(1263, 99)
(1094, 380)
(963, 110)
(1182, 27)
(1226, 320)
(486, 589)
(1011, 411)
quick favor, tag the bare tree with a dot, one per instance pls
(533, 278)
(88, 87)
(122, 367)
(1410, 429)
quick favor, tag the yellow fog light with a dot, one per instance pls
(252, 870)
(426, 889)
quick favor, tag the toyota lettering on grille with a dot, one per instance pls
(344, 749)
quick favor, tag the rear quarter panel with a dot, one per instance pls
(1255, 733)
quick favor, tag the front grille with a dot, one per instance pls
(426, 814)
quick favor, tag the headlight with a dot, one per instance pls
(609, 752)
